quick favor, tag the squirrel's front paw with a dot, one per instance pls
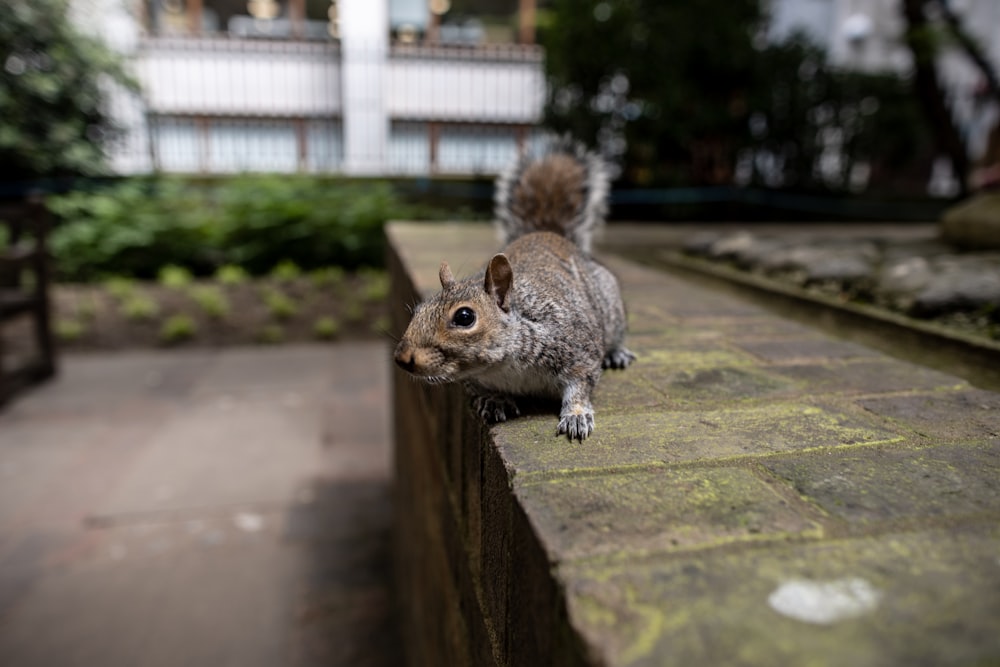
(576, 425)
(494, 409)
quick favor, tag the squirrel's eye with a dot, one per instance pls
(464, 317)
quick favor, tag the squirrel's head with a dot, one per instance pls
(459, 331)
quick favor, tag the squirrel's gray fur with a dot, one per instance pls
(544, 317)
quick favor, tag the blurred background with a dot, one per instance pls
(877, 99)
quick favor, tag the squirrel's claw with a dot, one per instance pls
(494, 409)
(619, 358)
(576, 426)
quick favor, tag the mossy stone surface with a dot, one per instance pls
(931, 598)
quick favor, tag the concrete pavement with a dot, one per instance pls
(225, 507)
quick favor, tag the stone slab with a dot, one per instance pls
(925, 598)
(871, 486)
(658, 509)
(623, 440)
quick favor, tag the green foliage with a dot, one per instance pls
(174, 277)
(53, 93)
(136, 226)
(326, 328)
(376, 285)
(119, 287)
(139, 307)
(231, 274)
(354, 310)
(177, 328)
(69, 330)
(271, 334)
(279, 305)
(286, 271)
(269, 219)
(328, 276)
(381, 325)
(211, 300)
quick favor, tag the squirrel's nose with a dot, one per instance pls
(404, 358)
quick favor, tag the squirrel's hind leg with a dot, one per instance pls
(492, 408)
(620, 357)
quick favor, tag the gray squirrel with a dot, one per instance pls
(543, 318)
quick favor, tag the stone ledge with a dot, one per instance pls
(743, 462)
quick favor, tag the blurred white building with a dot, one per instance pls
(350, 86)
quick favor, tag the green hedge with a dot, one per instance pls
(136, 226)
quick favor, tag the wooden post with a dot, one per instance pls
(194, 8)
(297, 17)
(526, 21)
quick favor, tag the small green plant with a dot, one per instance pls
(278, 304)
(86, 308)
(271, 333)
(138, 307)
(286, 271)
(211, 300)
(177, 328)
(376, 285)
(326, 328)
(119, 287)
(68, 330)
(329, 276)
(174, 277)
(354, 310)
(231, 274)
(380, 325)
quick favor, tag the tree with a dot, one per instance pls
(662, 85)
(695, 94)
(54, 83)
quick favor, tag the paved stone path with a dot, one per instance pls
(199, 508)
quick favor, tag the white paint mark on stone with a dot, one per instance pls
(824, 602)
(249, 522)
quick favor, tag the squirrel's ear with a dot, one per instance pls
(444, 275)
(499, 277)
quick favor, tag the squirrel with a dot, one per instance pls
(544, 318)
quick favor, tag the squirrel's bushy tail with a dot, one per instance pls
(563, 190)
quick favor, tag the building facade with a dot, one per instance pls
(282, 87)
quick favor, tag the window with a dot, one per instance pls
(243, 19)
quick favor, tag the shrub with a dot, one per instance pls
(278, 304)
(136, 226)
(139, 307)
(328, 276)
(326, 328)
(120, 287)
(68, 330)
(174, 277)
(376, 285)
(286, 271)
(231, 274)
(271, 333)
(133, 227)
(211, 300)
(177, 328)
